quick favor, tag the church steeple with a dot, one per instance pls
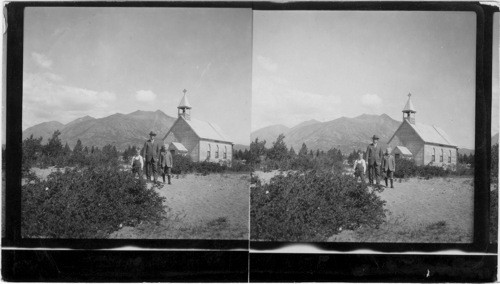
(184, 108)
(409, 111)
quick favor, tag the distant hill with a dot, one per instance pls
(120, 130)
(346, 134)
(269, 133)
(465, 151)
(44, 130)
(237, 147)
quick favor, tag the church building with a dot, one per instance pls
(427, 144)
(201, 140)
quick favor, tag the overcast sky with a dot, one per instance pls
(100, 61)
(327, 64)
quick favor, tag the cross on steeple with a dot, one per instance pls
(409, 111)
(184, 108)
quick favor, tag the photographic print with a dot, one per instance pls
(133, 119)
(363, 126)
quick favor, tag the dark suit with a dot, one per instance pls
(388, 167)
(374, 159)
(151, 154)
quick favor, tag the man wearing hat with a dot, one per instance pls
(374, 156)
(151, 154)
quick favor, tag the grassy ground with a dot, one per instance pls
(438, 210)
(214, 206)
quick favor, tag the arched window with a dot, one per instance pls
(449, 158)
(209, 150)
(225, 152)
(217, 152)
(441, 159)
(433, 155)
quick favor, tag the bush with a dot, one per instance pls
(311, 206)
(407, 168)
(240, 166)
(88, 203)
(184, 164)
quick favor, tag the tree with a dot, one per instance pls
(494, 161)
(54, 147)
(32, 149)
(292, 153)
(66, 150)
(303, 150)
(78, 147)
(317, 153)
(257, 149)
(279, 151)
(311, 153)
(86, 150)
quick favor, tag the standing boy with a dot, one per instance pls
(388, 166)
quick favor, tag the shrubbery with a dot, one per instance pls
(183, 164)
(311, 206)
(86, 203)
(407, 168)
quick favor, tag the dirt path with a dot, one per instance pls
(205, 207)
(419, 210)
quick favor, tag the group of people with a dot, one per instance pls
(378, 163)
(156, 159)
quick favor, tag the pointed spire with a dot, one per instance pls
(184, 104)
(409, 106)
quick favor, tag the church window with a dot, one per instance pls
(217, 152)
(433, 155)
(449, 158)
(225, 152)
(442, 155)
(209, 150)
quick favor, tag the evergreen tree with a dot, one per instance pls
(303, 150)
(257, 149)
(78, 147)
(86, 150)
(317, 153)
(279, 150)
(54, 147)
(66, 150)
(32, 149)
(292, 153)
(494, 162)
(246, 155)
(311, 154)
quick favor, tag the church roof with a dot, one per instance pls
(184, 102)
(207, 130)
(409, 105)
(403, 150)
(177, 146)
(432, 134)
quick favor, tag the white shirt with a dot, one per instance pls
(362, 162)
(138, 157)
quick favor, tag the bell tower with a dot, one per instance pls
(184, 108)
(409, 111)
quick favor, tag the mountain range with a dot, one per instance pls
(120, 130)
(346, 134)
(123, 130)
